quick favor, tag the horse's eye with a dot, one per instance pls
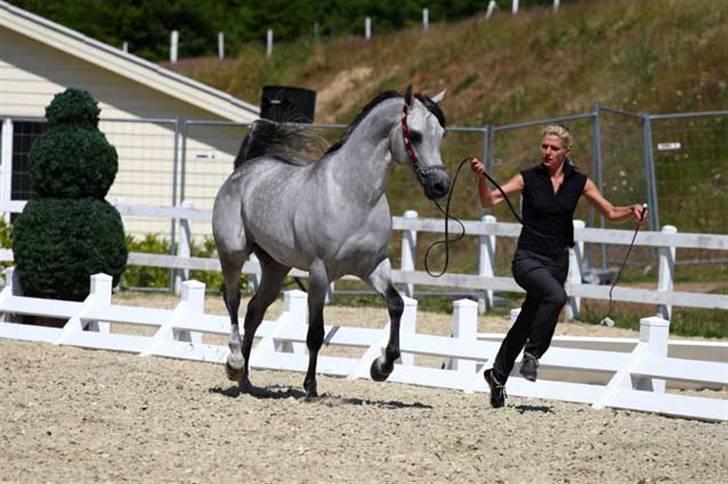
(415, 136)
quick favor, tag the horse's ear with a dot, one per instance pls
(437, 98)
(408, 95)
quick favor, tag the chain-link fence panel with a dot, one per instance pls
(146, 175)
(690, 155)
(623, 178)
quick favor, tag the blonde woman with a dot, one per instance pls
(551, 191)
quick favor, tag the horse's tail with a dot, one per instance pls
(291, 143)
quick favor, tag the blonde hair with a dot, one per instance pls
(560, 131)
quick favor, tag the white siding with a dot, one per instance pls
(31, 73)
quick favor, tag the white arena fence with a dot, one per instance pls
(641, 374)
(487, 230)
(484, 282)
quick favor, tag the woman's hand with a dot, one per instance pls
(639, 212)
(477, 167)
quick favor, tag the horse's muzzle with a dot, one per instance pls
(436, 184)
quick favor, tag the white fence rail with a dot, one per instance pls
(636, 370)
(487, 230)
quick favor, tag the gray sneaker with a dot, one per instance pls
(529, 367)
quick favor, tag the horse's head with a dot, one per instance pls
(418, 140)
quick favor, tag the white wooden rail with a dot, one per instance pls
(487, 230)
(636, 370)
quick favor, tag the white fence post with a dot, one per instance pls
(486, 263)
(515, 7)
(491, 8)
(183, 249)
(576, 256)
(101, 291)
(654, 331)
(408, 251)
(425, 19)
(514, 316)
(254, 279)
(295, 305)
(368, 28)
(220, 45)
(666, 273)
(193, 295)
(269, 43)
(174, 42)
(464, 326)
(408, 326)
(556, 5)
(12, 279)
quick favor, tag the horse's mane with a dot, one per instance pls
(288, 143)
(429, 104)
(285, 142)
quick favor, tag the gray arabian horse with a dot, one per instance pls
(330, 217)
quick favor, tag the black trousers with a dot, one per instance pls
(543, 279)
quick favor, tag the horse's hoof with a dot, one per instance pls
(233, 374)
(378, 371)
(234, 367)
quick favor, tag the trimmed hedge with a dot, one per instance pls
(73, 107)
(72, 162)
(59, 243)
(69, 232)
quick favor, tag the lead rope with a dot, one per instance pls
(447, 240)
(607, 320)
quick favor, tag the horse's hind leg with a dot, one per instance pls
(318, 282)
(271, 282)
(231, 264)
(381, 281)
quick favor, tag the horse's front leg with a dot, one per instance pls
(381, 281)
(318, 282)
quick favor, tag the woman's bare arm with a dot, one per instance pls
(488, 197)
(612, 213)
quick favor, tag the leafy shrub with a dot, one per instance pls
(6, 235)
(142, 276)
(60, 243)
(69, 232)
(158, 277)
(72, 162)
(73, 107)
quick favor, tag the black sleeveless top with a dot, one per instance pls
(548, 227)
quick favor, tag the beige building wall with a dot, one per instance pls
(31, 74)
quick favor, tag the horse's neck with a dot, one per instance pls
(362, 163)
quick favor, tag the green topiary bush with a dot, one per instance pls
(72, 162)
(59, 243)
(73, 107)
(69, 232)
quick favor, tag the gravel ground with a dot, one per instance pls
(75, 415)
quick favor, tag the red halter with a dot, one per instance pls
(406, 137)
(421, 174)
